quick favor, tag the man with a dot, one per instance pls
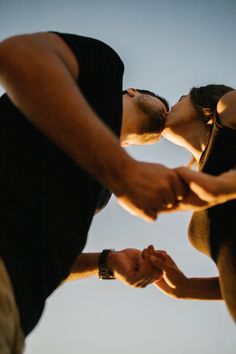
(59, 148)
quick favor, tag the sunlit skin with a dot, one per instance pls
(176, 284)
(133, 119)
(185, 129)
(129, 266)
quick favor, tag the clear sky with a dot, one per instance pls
(167, 46)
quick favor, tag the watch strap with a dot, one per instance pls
(103, 271)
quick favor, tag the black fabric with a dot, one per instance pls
(213, 231)
(48, 201)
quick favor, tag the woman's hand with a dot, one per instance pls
(173, 282)
(205, 191)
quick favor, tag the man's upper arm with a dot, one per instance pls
(47, 42)
(226, 109)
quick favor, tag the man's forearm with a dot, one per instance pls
(40, 83)
(85, 266)
(202, 289)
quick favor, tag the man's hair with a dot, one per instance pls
(205, 98)
(162, 99)
(150, 93)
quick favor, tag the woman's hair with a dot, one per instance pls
(205, 98)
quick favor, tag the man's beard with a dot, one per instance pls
(155, 116)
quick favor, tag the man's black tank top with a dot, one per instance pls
(49, 201)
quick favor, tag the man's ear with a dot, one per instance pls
(131, 92)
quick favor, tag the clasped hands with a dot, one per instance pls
(140, 268)
(204, 190)
(151, 189)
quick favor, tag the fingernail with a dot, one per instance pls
(169, 205)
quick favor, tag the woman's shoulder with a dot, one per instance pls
(226, 109)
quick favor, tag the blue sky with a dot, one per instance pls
(167, 46)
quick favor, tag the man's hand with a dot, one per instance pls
(133, 268)
(149, 189)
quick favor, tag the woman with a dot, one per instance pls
(204, 122)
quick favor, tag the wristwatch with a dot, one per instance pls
(103, 271)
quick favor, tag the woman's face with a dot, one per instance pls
(182, 111)
(180, 118)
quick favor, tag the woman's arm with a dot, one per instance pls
(203, 289)
(205, 191)
(175, 284)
